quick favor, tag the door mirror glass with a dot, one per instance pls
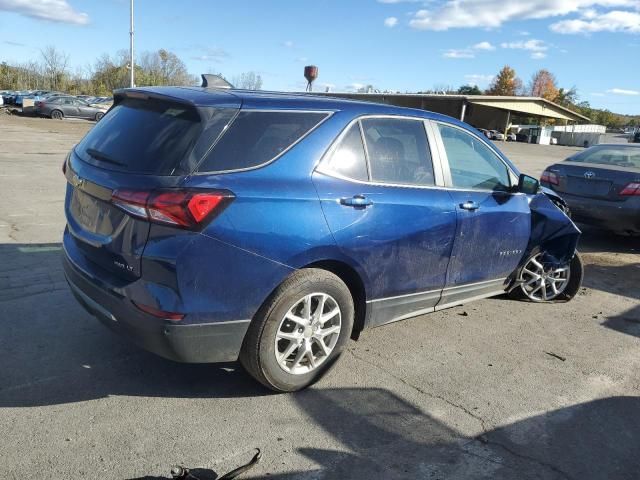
(528, 185)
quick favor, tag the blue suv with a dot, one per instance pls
(211, 225)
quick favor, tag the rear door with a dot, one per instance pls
(494, 223)
(142, 144)
(69, 107)
(385, 204)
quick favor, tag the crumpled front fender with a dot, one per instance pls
(552, 232)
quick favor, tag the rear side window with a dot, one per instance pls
(152, 137)
(255, 138)
(348, 158)
(398, 151)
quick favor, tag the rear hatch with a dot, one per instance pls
(147, 142)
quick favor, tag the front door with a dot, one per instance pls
(388, 214)
(494, 222)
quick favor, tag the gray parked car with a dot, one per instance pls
(60, 107)
(601, 186)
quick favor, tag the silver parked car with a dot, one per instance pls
(68, 106)
(496, 135)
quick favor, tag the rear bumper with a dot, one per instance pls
(190, 343)
(618, 216)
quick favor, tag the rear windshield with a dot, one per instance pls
(152, 137)
(256, 138)
(620, 156)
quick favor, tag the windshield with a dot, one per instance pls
(620, 156)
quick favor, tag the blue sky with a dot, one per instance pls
(404, 45)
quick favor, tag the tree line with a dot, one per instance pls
(52, 71)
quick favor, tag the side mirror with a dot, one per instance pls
(528, 185)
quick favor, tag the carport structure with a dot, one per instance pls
(485, 111)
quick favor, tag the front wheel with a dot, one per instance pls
(300, 331)
(99, 116)
(57, 115)
(541, 282)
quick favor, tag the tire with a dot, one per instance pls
(570, 290)
(263, 350)
(99, 116)
(56, 115)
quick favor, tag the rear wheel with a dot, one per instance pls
(300, 331)
(540, 282)
(99, 115)
(57, 115)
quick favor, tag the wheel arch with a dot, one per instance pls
(354, 283)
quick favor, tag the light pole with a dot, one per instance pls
(131, 60)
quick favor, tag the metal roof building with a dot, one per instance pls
(485, 111)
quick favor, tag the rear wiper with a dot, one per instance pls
(104, 157)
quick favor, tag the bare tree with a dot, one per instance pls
(248, 81)
(55, 66)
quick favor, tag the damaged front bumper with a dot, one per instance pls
(552, 232)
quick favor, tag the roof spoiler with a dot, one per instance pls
(210, 80)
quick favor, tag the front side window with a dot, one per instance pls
(473, 165)
(348, 158)
(398, 151)
(255, 138)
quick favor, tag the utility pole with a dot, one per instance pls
(131, 59)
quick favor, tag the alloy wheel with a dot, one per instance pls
(308, 333)
(541, 283)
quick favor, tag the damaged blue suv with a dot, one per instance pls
(211, 225)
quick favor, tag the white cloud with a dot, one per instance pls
(493, 13)
(468, 52)
(622, 91)
(212, 54)
(49, 10)
(302, 59)
(390, 22)
(613, 21)
(479, 79)
(597, 94)
(537, 47)
(483, 46)
(288, 44)
(454, 53)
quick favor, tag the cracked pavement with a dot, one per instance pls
(467, 393)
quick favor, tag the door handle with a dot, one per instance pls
(358, 201)
(469, 205)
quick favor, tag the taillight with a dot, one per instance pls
(181, 208)
(631, 189)
(549, 177)
(159, 313)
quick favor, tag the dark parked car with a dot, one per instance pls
(209, 225)
(59, 107)
(601, 186)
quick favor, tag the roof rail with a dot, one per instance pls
(209, 80)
